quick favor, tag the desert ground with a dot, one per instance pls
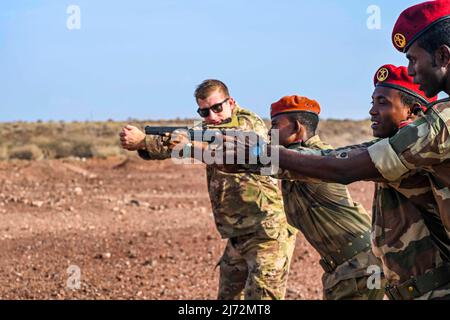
(133, 229)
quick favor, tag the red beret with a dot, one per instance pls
(416, 20)
(294, 104)
(398, 78)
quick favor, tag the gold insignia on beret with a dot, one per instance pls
(382, 74)
(400, 40)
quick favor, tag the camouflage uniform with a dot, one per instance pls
(337, 227)
(424, 145)
(407, 233)
(248, 210)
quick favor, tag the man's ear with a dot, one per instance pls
(299, 128)
(232, 103)
(442, 56)
(413, 111)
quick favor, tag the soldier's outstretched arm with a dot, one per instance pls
(149, 147)
(309, 175)
(330, 169)
(421, 145)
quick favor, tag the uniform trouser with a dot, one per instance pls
(256, 267)
(354, 289)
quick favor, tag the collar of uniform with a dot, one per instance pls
(431, 105)
(312, 142)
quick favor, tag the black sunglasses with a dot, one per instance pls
(216, 108)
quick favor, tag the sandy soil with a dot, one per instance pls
(135, 230)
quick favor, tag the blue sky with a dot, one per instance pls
(143, 59)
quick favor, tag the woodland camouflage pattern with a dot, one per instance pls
(330, 220)
(407, 233)
(423, 145)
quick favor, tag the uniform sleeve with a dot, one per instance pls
(156, 148)
(421, 145)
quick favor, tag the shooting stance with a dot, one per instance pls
(248, 209)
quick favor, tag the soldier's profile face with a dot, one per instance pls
(387, 112)
(423, 68)
(217, 97)
(285, 129)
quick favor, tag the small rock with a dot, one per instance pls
(150, 263)
(37, 203)
(78, 191)
(135, 203)
(132, 254)
(105, 255)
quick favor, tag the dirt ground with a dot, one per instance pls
(135, 230)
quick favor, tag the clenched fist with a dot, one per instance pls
(131, 138)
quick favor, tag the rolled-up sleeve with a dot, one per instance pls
(419, 146)
(156, 148)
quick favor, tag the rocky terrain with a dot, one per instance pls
(130, 229)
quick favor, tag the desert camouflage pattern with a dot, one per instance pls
(423, 145)
(330, 220)
(256, 267)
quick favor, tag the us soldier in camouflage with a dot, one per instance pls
(336, 226)
(248, 209)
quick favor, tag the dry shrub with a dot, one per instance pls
(82, 148)
(27, 152)
(3, 153)
(106, 151)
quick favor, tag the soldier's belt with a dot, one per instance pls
(356, 245)
(418, 286)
